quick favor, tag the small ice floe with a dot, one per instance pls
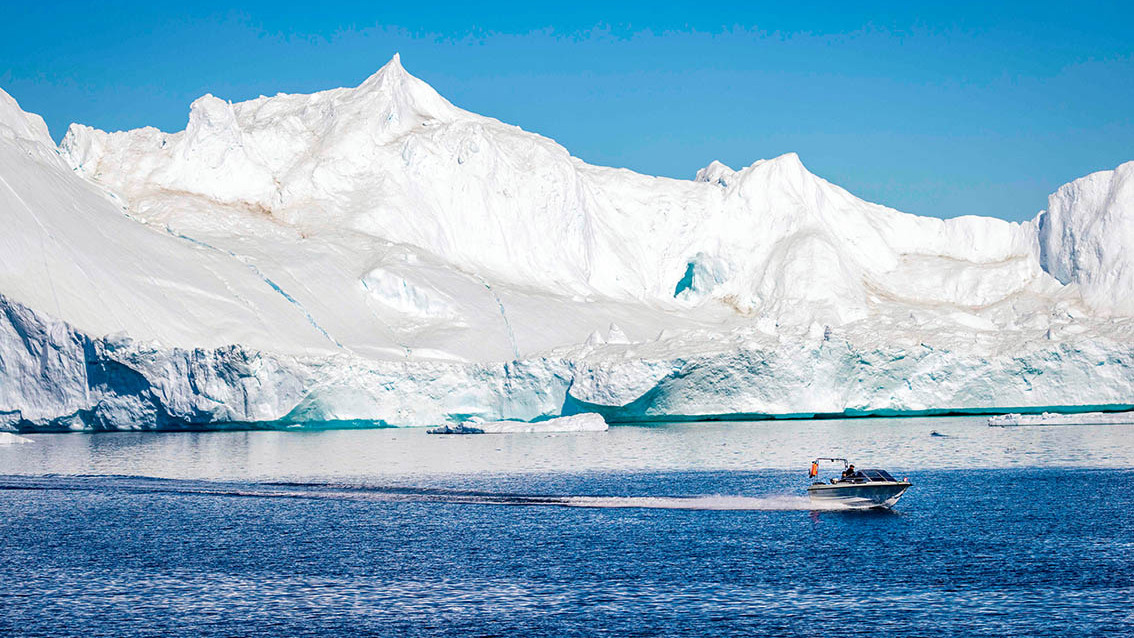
(586, 422)
(7, 438)
(460, 428)
(1052, 418)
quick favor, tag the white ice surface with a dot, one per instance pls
(377, 253)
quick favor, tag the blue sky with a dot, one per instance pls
(942, 108)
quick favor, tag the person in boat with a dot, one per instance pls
(849, 472)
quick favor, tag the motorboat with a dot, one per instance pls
(859, 489)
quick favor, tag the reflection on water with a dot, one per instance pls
(903, 444)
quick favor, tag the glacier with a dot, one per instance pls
(378, 256)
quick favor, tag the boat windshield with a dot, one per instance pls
(877, 475)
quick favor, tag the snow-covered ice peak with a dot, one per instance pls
(268, 153)
(406, 94)
(716, 173)
(617, 335)
(785, 169)
(1086, 237)
(211, 121)
(25, 130)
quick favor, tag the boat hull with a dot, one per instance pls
(873, 495)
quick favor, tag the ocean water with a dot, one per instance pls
(690, 529)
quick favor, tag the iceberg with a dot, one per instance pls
(378, 255)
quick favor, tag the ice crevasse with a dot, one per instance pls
(377, 255)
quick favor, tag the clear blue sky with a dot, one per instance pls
(942, 108)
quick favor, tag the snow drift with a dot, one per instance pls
(378, 255)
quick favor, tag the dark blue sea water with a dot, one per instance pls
(993, 552)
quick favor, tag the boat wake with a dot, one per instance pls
(402, 494)
(770, 503)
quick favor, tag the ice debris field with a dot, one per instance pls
(378, 256)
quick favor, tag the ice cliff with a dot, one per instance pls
(378, 255)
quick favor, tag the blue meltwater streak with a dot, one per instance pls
(967, 552)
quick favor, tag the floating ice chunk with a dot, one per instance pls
(460, 428)
(7, 438)
(1051, 418)
(586, 422)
